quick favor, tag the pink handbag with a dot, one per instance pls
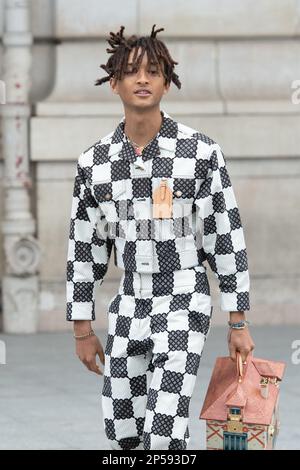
(241, 404)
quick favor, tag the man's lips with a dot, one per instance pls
(142, 92)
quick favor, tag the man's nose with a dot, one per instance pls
(142, 76)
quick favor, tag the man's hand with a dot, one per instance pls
(88, 348)
(239, 340)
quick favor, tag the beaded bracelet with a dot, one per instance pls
(239, 325)
(87, 335)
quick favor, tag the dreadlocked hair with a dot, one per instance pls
(121, 47)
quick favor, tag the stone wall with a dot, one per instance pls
(237, 63)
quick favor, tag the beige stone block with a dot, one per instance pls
(250, 135)
(196, 70)
(78, 18)
(271, 216)
(219, 18)
(74, 82)
(60, 138)
(42, 18)
(264, 168)
(53, 227)
(258, 70)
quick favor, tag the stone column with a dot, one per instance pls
(21, 250)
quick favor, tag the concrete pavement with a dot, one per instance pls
(49, 400)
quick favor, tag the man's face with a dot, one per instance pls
(147, 77)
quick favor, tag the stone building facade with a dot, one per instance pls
(240, 72)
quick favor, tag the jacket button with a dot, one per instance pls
(178, 193)
(107, 196)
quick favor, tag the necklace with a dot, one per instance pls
(138, 149)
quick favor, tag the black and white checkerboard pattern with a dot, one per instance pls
(152, 355)
(112, 209)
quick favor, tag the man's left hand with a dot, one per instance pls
(241, 341)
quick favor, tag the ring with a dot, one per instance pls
(245, 362)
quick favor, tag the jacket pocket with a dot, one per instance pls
(183, 190)
(108, 191)
(110, 195)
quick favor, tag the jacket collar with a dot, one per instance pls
(165, 138)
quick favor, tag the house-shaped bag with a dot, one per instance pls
(241, 404)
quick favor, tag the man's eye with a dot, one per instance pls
(127, 72)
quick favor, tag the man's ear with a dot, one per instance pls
(113, 85)
(167, 88)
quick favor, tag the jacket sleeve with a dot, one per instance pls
(89, 250)
(223, 240)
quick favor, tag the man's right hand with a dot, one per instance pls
(88, 348)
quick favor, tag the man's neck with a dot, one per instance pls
(141, 128)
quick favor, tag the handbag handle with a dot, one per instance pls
(239, 366)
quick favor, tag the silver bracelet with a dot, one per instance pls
(240, 325)
(87, 335)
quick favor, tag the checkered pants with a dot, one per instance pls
(157, 326)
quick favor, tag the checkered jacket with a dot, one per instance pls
(112, 212)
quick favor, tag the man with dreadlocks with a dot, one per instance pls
(158, 193)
